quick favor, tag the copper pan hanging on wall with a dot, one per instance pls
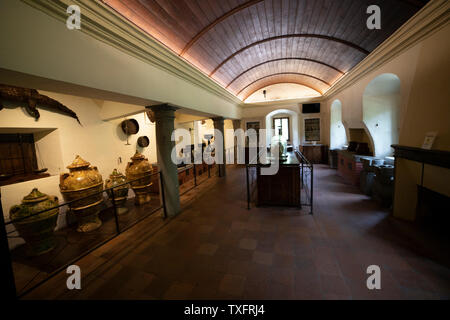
(143, 141)
(129, 127)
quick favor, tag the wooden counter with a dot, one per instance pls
(349, 167)
(315, 153)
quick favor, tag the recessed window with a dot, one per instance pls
(283, 124)
(18, 161)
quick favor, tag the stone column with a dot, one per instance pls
(164, 121)
(236, 125)
(218, 125)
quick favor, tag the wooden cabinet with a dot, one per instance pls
(281, 189)
(315, 153)
(348, 167)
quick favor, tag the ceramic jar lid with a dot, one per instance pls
(78, 163)
(35, 196)
(116, 174)
(138, 156)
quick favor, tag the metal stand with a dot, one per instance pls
(116, 216)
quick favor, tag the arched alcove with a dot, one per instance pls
(293, 124)
(381, 101)
(338, 136)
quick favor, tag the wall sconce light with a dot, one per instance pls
(264, 93)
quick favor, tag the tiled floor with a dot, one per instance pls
(217, 249)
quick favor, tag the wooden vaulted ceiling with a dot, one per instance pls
(246, 45)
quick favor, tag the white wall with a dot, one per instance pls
(338, 136)
(381, 102)
(404, 66)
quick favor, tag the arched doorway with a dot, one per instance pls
(338, 137)
(293, 124)
(381, 101)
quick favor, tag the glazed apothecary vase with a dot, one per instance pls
(139, 168)
(82, 181)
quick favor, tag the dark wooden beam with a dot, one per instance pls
(438, 158)
(217, 21)
(280, 59)
(317, 36)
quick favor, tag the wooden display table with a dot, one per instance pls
(283, 188)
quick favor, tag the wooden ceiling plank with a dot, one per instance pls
(347, 43)
(215, 22)
(237, 39)
(280, 59)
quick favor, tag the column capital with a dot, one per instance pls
(218, 119)
(164, 110)
(162, 107)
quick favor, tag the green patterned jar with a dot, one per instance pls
(36, 230)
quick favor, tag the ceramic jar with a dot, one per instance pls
(139, 168)
(82, 181)
(119, 182)
(37, 229)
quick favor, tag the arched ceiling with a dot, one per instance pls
(282, 91)
(246, 45)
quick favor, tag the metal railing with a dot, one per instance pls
(306, 181)
(251, 172)
(198, 178)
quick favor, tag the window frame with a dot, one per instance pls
(288, 125)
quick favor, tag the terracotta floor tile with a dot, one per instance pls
(232, 285)
(261, 257)
(335, 285)
(284, 261)
(207, 249)
(158, 287)
(178, 291)
(248, 244)
(238, 267)
(283, 275)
